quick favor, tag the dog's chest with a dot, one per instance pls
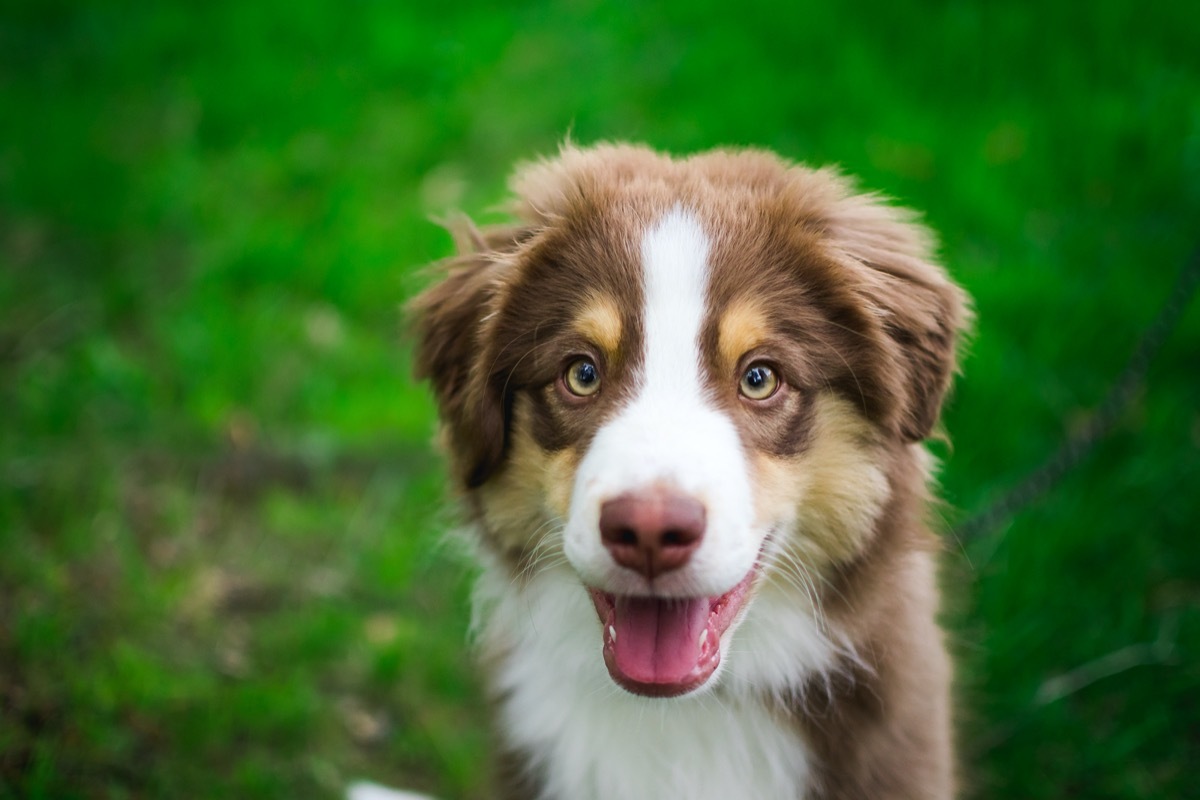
(606, 748)
(589, 740)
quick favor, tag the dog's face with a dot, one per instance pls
(687, 378)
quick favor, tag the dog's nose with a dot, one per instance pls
(653, 531)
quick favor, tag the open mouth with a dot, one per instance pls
(666, 646)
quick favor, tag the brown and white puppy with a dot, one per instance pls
(684, 401)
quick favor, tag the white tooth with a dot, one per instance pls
(612, 633)
(703, 637)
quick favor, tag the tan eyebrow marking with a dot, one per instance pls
(600, 322)
(742, 328)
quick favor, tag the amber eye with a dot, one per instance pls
(758, 382)
(582, 378)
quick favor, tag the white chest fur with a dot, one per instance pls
(594, 741)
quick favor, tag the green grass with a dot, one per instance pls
(219, 519)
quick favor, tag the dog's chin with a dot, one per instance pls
(666, 646)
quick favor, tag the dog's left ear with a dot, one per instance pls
(922, 314)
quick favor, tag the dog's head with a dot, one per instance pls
(685, 376)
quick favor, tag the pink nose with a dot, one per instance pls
(653, 531)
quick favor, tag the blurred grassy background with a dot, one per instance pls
(219, 571)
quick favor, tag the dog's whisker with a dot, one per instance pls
(800, 577)
(546, 551)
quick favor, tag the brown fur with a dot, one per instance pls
(841, 284)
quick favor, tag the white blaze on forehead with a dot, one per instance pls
(675, 260)
(671, 433)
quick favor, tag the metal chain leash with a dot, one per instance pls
(1101, 423)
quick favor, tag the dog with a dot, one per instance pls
(683, 402)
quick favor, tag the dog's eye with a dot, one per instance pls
(758, 382)
(582, 378)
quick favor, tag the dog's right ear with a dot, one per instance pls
(453, 322)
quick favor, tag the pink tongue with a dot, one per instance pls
(658, 640)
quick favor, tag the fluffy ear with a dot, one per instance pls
(921, 312)
(451, 321)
